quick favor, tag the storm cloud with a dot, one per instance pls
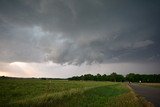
(80, 31)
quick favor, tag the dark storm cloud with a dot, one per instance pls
(78, 31)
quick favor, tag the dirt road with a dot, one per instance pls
(151, 94)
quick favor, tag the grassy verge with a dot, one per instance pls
(155, 85)
(101, 96)
(141, 101)
(98, 97)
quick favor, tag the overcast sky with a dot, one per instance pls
(62, 38)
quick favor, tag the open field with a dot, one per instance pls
(63, 93)
(156, 85)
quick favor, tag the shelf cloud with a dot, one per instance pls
(80, 31)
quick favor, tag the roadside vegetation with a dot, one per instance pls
(114, 77)
(155, 85)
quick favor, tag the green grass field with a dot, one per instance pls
(63, 93)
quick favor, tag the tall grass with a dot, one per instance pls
(62, 93)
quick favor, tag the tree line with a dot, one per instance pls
(131, 77)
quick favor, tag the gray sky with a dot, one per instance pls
(62, 38)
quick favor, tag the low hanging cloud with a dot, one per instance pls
(142, 44)
(76, 32)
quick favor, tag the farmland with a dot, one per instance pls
(63, 93)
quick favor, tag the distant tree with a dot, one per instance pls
(113, 76)
(104, 77)
(88, 77)
(119, 78)
(3, 77)
(130, 77)
(98, 77)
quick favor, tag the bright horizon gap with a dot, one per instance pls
(53, 70)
